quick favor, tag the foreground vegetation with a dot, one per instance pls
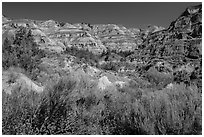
(148, 104)
(80, 108)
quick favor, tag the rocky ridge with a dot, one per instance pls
(110, 54)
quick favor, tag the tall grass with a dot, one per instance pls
(68, 107)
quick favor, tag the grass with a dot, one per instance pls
(68, 107)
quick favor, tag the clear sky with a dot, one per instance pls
(130, 14)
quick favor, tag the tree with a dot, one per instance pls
(23, 52)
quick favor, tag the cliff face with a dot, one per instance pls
(183, 35)
(177, 47)
(115, 49)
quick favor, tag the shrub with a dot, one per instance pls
(167, 111)
(79, 107)
(87, 55)
(23, 53)
(170, 111)
(17, 112)
(54, 108)
(159, 79)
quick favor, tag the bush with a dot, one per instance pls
(159, 79)
(167, 111)
(87, 55)
(23, 53)
(18, 112)
(54, 108)
(170, 111)
(71, 107)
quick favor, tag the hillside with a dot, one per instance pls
(63, 78)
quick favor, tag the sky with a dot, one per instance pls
(128, 14)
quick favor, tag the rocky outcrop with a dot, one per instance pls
(104, 83)
(178, 45)
(97, 49)
(13, 81)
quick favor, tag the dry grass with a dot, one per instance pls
(79, 108)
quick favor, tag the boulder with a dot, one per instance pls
(18, 81)
(104, 83)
